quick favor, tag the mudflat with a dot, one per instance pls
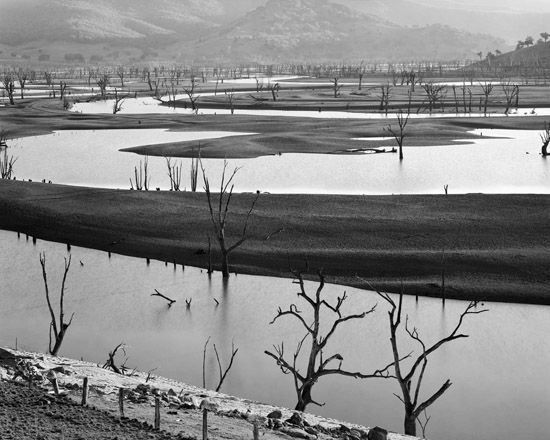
(485, 247)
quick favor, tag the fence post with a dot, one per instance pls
(85, 391)
(157, 413)
(121, 401)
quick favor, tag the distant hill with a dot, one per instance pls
(507, 20)
(222, 30)
(306, 30)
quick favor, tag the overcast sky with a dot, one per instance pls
(495, 5)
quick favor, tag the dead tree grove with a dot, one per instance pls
(317, 364)
(219, 213)
(410, 391)
(57, 328)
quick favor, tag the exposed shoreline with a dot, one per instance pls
(495, 245)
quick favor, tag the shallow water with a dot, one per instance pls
(499, 373)
(489, 165)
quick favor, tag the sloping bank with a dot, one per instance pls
(180, 409)
(489, 247)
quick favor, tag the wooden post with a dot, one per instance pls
(55, 385)
(157, 413)
(256, 431)
(204, 424)
(85, 391)
(121, 401)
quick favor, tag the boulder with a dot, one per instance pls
(275, 414)
(296, 420)
(377, 433)
(297, 433)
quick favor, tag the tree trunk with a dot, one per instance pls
(545, 148)
(304, 398)
(410, 425)
(225, 264)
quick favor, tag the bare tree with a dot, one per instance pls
(119, 100)
(190, 91)
(545, 137)
(335, 87)
(22, 76)
(222, 372)
(385, 96)
(274, 89)
(317, 365)
(58, 329)
(8, 82)
(103, 82)
(487, 88)
(435, 94)
(141, 177)
(230, 95)
(174, 173)
(410, 392)
(399, 135)
(511, 92)
(219, 213)
(120, 74)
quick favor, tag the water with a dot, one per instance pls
(499, 374)
(498, 161)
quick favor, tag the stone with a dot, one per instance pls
(298, 433)
(275, 414)
(296, 420)
(377, 433)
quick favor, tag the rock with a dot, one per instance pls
(377, 433)
(296, 420)
(344, 428)
(297, 433)
(172, 393)
(275, 414)
(209, 405)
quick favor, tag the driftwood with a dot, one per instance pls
(170, 301)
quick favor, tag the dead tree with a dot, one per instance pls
(410, 391)
(22, 77)
(110, 362)
(230, 95)
(120, 74)
(545, 137)
(274, 89)
(385, 97)
(8, 82)
(190, 91)
(317, 364)
(57, 328)
(399, 135)
(103, 82)
(435, 94)
(220, 211)
(174, 173)
(117, 105)
(222, 372)
(141, 177)
(335, 87)
(170, 300)
(511, 92)
(487, 88)
(195, 168)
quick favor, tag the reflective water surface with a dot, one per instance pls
(499, 374)
(499, 161)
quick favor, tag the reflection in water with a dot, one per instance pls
(510, 164)
(498, 373)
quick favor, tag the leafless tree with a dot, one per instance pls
(274, 89)
(545, 137)
(385, 97)
(487, 88)
(335, 87)
(219, 213)
(111, 364)
(230, 95)
(410, 391)
(174, 173)
(190, 91)
(141, 177)
(58, 329)
(119, 100)
(317, 364)
(22, 76)
(195, 168)
(435, 94)
(103, 82)
(222, 372)
(511, 92)
(399, 135)
(120, 74)
(8, 82)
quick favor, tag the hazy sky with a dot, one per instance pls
(494, 5)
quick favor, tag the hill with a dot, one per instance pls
(192, 30)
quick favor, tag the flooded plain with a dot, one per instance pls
(499, 373)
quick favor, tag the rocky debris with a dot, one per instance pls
(377, 433)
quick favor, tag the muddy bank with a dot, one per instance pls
(494, 245)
